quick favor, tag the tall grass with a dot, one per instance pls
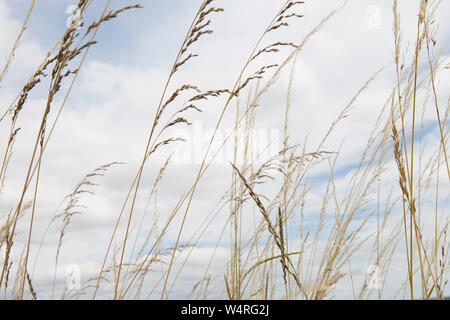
(274, 249)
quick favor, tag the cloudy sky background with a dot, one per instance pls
(112, 106)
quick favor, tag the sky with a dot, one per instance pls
(112, 105)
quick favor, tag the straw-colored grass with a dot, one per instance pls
(278, 255)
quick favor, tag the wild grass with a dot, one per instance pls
(274, 250)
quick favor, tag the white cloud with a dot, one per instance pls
(29, 53)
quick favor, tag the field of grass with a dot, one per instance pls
(242, 216)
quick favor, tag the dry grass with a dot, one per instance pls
(278, 255)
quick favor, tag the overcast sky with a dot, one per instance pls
(111, 108)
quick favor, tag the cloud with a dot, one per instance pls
(29, 53)
(110, 112)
